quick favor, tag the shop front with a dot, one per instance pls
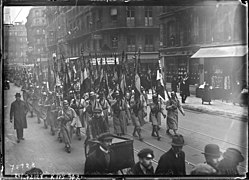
(224, 68)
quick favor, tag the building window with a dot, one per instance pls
(171, 33)
(130, 19)
(99, 19)
(114, 14)
(131, 43)
(148, 16)
(195, 32)
(149, 43)
(115, 41)
(37, 21)
(38, 31)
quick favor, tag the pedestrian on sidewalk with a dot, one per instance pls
(184, 88)
(172, 106)
(173, 162)
(19, 110)
(212, 154)
(229, 164)
(174, 84)
(144, 165)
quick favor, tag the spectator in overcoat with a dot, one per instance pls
(18, 111)
(212, 154)
(229, 164)
(172, 163)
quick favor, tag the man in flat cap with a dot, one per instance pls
(212, 154)
(173, 161)
(229, 164)
(19, 110)
(144, 165)
(98, 161)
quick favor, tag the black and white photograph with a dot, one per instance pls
(124, 88)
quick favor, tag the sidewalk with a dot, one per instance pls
(217, 107)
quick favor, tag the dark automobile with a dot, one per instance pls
(6, 84)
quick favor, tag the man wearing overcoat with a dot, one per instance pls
(18, 111)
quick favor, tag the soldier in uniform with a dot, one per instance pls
(120, 110)
(105, 107)
(76, 105)
(49, 102)
(96, 124)
(36, 98)
(154, 116)
(42, 114)
(134, 109)
(66, 116)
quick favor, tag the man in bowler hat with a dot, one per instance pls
(98, 161)
(229, 164)
(172, 163)
(212, 154)
(18, 111)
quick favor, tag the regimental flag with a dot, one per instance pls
(66, 84)
(50, 79)
(160, 85)
(137, 78)
(123, 85)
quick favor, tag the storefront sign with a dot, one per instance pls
(110, 60)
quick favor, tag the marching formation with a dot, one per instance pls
(65, 113)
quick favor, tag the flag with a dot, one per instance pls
(137, 78)
(160, 88)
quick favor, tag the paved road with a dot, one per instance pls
(44, 151)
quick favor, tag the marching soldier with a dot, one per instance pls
(96, 124)
(76, 105)
(67, 116)
(42, 113)
(134, 109)
(49, 102)
(154, 116)
(119, 112)
(105, 107)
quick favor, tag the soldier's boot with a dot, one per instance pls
(31, 114)
(68, 148)
(78, 133)
(134, 132)
(45, 124)
(139, 134)
(38, 120)
(157, 133)
(52, 131)
(153, 131)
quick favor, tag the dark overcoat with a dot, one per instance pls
(96, 163)
(170, 165)
(18, 110)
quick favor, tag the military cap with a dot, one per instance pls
(146, 153)
(65, 103)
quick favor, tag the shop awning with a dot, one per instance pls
(228, 51)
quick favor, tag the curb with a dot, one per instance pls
(241, 117)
